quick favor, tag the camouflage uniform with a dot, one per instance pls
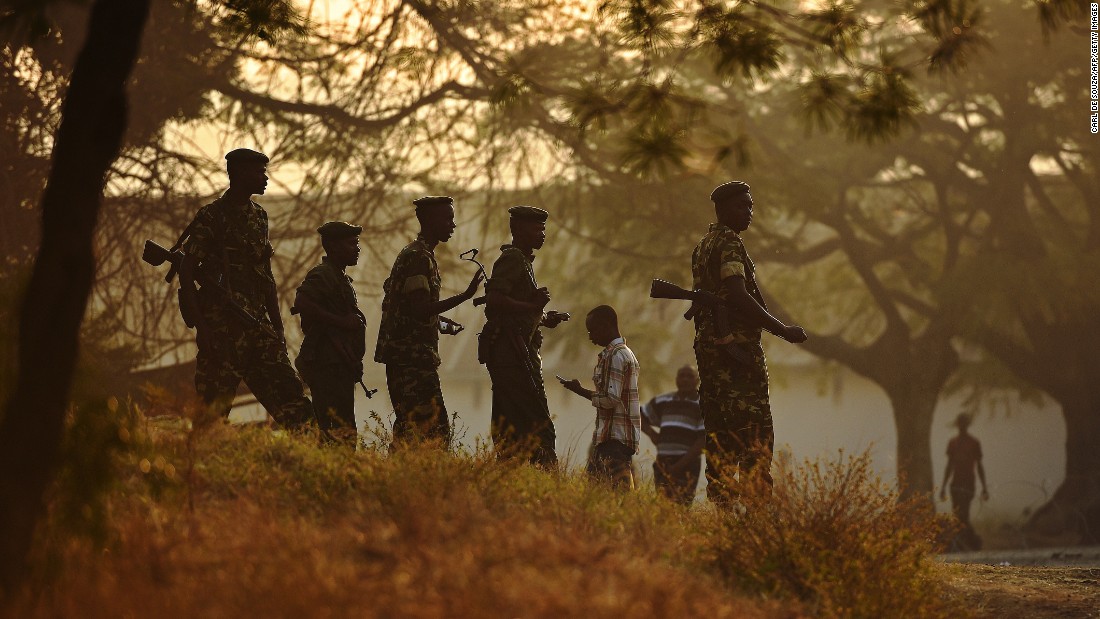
(509, 348)
(733, 397)
(231, 245)
(410, 347)
(331, 359)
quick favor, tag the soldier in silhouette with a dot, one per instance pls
(236, 311)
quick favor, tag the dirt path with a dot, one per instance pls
(1030, 592)
(1060, 583)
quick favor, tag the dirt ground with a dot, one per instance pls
(1010, 592)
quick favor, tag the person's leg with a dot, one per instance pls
(521, 424)
(612, 465)
(273, 380)
(418, 407)
(333, 402)
(216, 377)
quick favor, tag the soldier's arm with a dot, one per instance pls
(508, 271)
(747, 308)
(273, 309)
(421, 306)
(981, 476)
(314, 312)
(188, 293)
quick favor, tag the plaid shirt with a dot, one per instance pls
(618, 408)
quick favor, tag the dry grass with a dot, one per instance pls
(246, 522)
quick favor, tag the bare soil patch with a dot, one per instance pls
(1009, 592)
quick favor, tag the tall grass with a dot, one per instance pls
(206, 520)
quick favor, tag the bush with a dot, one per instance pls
(835, 536)
(215, 521)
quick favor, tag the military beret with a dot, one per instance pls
(338, 230)
(427, 201)
(729, 190)
(528, 213)
(242, 155)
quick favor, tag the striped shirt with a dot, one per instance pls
(618, 408)
(679, 421)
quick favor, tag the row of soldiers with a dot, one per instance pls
(235, 310)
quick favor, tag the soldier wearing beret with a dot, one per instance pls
(733, 394)
(236, 313)
(510, 343)
(331, 358)
(408, 334)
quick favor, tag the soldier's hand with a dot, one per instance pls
(553, 319)
(794, 334)
(449, 327)
(985, 494)
(943, 495)
(542, 296)
(475, 281)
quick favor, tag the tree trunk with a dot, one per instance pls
(1072, 515)
(88, 140)
(913, 411)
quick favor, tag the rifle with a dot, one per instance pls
(660, 289)
(156, 255)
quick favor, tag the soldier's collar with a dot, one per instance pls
(429, 248)
(529, 255)
(328, 261)
(720, 227)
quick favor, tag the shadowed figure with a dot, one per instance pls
(408, 333)
(331, 358)
(964, 457)
(674, 422)
(510, 342)
(615, 378)
(235, 311)
(733, 391)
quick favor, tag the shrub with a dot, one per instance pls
(832, 534)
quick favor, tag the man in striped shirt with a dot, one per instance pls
(674, 422)
(618, 409)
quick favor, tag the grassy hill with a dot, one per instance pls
(193, 518)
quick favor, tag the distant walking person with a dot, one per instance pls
(618, 416)
(964, 456)
(331, 358)
(510, 343)
(674, 422)
(733, 391)
(408, 334)
(235, 310)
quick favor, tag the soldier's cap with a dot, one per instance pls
(338, 230)
(245, 155)
(528, 213)
(728, 190)
(429, 201)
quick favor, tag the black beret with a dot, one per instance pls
(338, 230)
(242, 155)
(427, 201)
(729, 190)
(528, 213)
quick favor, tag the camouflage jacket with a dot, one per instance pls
(327, 286)
(402, 338)
(721, 254)
(514, 276)
(231, 245)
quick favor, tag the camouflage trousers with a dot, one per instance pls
(418, 408)
(333, 390)
(737, 416)
(521, 423)
(258, 358)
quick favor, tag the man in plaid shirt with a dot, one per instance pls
(618, 408)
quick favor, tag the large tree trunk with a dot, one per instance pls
(88, 140)
(1072, 515)
(913, 411)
